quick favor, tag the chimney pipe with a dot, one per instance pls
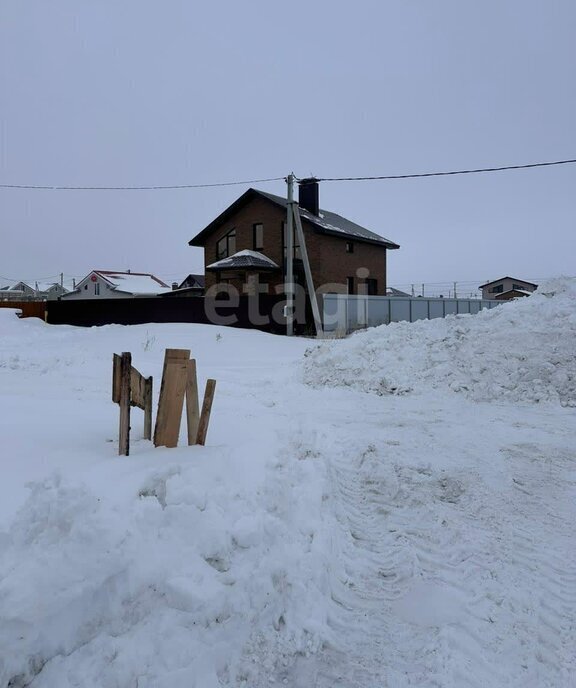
(308, 195)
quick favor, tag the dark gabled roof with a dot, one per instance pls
(244, 260)
(198, 279)
(514, 279)
(390, 291)
(325, 222)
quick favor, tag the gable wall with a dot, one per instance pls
(257, 210)
(86, 290)
(507, 284)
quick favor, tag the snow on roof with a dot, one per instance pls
(35, 286)
(333, 223)
(134, 283)
(244, 259)
(325, 222)
(45, 286)
(514, 291)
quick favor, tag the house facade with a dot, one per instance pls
(245, 247)
(33, 291)
(108, 284)
(507, 288)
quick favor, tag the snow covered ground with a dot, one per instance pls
(394, 509)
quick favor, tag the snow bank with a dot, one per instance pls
(521, 351)
(171, 577)
(183, 567)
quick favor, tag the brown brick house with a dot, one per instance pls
(246, 245)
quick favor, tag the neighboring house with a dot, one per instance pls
(193, 285)
(193, 282)
(246, 245)
(26, 291)
(108, 284)
(390, 291)
(507, 288)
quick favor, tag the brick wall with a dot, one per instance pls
(329, 262)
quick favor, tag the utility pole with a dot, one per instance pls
(289, 281)
(308, 273)
(412, 290)
(293, 222)
(422, 288)
(455, 296)
(62, 279)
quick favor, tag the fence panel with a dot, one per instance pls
(378, 311)
(419, 309)
(436, 308)
(30, 309)
(400, 310)
(346, 313)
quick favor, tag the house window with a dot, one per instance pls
(227, 245)
(85, 286)
(349, 247)
(519, 287)
(371, 286)
(497, 290)
(297, 251)
(258, 236)
(97, 289)
(350, 284)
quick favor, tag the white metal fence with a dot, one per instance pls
(343, 313)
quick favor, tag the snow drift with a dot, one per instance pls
(521, 351)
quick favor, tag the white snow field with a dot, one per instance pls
(394, 509)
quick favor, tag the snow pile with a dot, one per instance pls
(167, 586)
(323, 537)
(524, 350)
(183, 567)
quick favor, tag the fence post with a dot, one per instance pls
(192, 411)
(124, 398)
(206, 409)
(148, 408)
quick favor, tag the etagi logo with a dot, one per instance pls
(224, 301)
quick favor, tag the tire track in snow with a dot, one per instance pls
(543, 559)
(466, 553)
(392, 545)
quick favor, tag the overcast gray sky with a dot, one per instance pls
(142, 93)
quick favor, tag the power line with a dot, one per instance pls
(446, 174)
(139, 188)
(161, 187)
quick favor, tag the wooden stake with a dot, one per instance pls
(116, 379)
(124, 400)
(206, 409)
(148, 409)
(172, 390)
(192, 410)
